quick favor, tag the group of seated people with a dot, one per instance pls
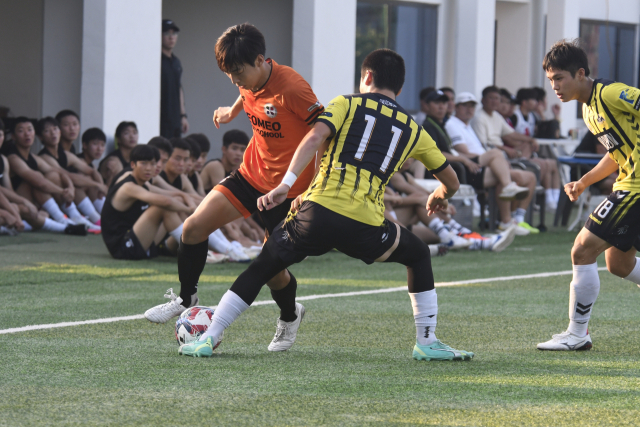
(137, 196)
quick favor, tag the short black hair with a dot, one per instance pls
(524, 94)
(93, 133)
(447, 89)
(566, 55)
(202, 140)
(22, 119)
(181, 144)
(194, 148)
(504, 92)
(162, 144)
(490, 89)
(387, 68)
(1, 125)
(541, 94)
(144, 152)
(40, 124)
(122, 126)
(426, 91)
(238, 46)
(65, 113)
(234, 136)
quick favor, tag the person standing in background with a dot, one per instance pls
(173, 115)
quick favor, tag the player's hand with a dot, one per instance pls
(222, 115)
(574, 190)
(555, 110)
(296, 203)
(451, 210)
(184, 125)
(436, 204)
(274, 197)
(472, 166)
(511, 152)
(68, 194)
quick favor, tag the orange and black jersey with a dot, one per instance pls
(372, 136)
(612, 115)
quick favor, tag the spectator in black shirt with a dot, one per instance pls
(173, 116)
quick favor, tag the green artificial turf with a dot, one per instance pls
(351, 364)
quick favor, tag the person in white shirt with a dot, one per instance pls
(510, 184)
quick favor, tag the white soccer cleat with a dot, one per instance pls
(286, 331)
(236, 254)
(566, 341)
(438, 250)
(504, 239)
(456, 242)
(520, 231)
(253, 251)
(165, 312)
(215, 258)
(513, 192)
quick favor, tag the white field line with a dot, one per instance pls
(306, 298)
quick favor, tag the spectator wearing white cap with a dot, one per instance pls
(510, 184)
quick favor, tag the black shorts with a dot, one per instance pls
(476, 180)
(315, 230)
(129, 248)
(244, 197)
(617, 220)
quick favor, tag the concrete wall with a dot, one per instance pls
(513, 45)
(21, 32)
(201, 22)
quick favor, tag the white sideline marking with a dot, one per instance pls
(308, 297)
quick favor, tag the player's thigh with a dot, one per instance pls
(489, 180)
(25, 190)
(587, 247)
(214, 212)
(146, 227)
(619, 262)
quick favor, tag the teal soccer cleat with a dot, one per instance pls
(199, 348)
(439, 351)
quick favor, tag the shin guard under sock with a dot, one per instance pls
(191, 262)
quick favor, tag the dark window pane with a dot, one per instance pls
(626, 55)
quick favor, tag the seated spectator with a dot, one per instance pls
(507, 106)
(94, 142)
(190, 171)
(126, 138)
(591, 145)
(87, 181)
(546, 128)
(493, 131)
(133, 217)
(69, 123)
(523, 120)
(451, 103)
(205, 146)
(234, 142)
(38, 182)
(175, 168)
(510, 184)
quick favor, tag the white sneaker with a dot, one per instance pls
(513, 192)
(236, 254)
(253, 251)
(520, 231)
(456, 242)
(566, 341)
(215, 258)
(286, 332)
(504, 239)
(164, 312)
(88, 224)
(438, 250)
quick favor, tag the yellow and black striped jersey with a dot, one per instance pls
(612, 115)
(372, 136)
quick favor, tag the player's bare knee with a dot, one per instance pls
(583, 254)
(192, 232)
(279, 281)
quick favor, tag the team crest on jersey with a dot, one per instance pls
(270, 111)
(625, 96)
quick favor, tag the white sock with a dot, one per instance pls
(555, 192)
(230, 307)
(585, 287)
(53, 209)
(176, 233)
(425, 313)
(55, 226)
(88, 210)
(483, 244)
(519, 215)
(548, 194)
(635, 273)
(218, 242)
(72, 211)
(437, 225)
(98, 204)
(27, 226)
(458, 228)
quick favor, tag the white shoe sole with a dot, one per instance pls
(284, 346)
(584, 345)
(505, 241)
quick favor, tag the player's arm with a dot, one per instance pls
(226, 114)
(603, 169)
(83, 167)
(181, 196)
(187, 187)
(137, 192)
(212, 174)
(449, 184)
(34, 178)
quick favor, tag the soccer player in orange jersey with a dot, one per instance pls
(281, 107)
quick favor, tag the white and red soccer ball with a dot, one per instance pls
(192, 323)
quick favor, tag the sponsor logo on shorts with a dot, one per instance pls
(314, 106)
(144, 207)
(129, 243)
(270, 111)
(285, 236)
(623, 229)
(385, 236)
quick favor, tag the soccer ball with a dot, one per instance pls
(192, 323)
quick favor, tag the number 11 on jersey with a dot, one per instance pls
(366, 137)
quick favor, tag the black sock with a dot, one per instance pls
(191, 262)
(286, 300)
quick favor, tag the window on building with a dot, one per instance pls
(611, 51)
(407, 28)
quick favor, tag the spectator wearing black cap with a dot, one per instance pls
(173, 115)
